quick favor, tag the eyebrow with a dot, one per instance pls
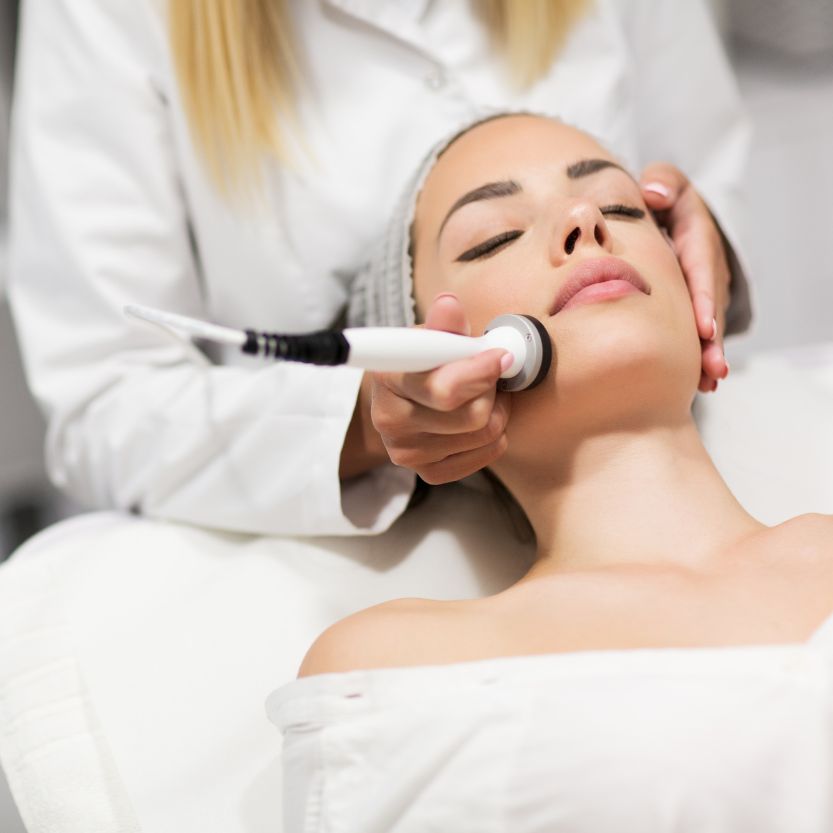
(489, 191)
(508, 187)
(585, 167)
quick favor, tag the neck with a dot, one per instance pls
(648, 498)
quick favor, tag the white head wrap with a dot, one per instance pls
(382, 293)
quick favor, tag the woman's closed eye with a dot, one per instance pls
(622, 211)
(490, 246)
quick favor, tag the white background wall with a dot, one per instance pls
(785, 70)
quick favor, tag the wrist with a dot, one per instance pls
(363, 448)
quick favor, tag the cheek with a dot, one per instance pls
(678, 291)
(427, 284)
(510, 282)
(657, 261)
(484, 293)
(488, 297)
(679, 322)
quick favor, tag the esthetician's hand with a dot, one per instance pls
(447, 423)
(702, 253)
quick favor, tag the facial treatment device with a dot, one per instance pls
(398, 349)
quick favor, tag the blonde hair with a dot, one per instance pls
(529, 33)
(239, 75)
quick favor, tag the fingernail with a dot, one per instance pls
(657, 188)
(445, 295)
(714, 329)
(506, 362)
(726, 371)
(714, 386)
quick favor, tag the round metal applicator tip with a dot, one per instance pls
(538, 354)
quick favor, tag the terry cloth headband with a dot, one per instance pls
(382, 293)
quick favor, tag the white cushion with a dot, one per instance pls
(769, 430)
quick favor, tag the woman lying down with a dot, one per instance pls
(666, 664)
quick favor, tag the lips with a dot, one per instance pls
(597, 270)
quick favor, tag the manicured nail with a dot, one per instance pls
(658, 188)
(714, 329)
(506, 362)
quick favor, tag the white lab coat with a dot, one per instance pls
(111, 205)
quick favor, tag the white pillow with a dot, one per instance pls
(769, 430)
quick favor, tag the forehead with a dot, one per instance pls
(505, 148)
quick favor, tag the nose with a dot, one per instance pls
(582, 227)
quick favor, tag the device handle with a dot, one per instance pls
(415, 349)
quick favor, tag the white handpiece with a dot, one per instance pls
(394, 349)
(409, 350)
(406, 349)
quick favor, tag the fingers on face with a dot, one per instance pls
(714, 366)
(661, 184)
(706, 384)
(704, 313)
(714, 360)
(447, 313)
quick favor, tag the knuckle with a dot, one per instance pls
(397, 456)
(494, 450)
(404, 457)
(478, 413)
(386, 423)
(434, 475)
(443, 397)
(391, 415)
(497, 423)
(380, 417)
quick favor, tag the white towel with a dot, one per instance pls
(169, 639)
(55, 756)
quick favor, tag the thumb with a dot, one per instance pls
(447, 313)
(662, 184)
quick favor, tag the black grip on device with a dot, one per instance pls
(325, 347)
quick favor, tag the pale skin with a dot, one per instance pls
(640, 543)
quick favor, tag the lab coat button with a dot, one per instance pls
(436, 80)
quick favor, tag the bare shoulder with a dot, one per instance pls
(812, 528)
(807, 537)
(395, 633)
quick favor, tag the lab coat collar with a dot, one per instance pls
(395, 16)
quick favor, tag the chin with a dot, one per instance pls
(600, 345)
(607, 376)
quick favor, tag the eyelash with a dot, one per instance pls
(493, 244)
(489, 246)
(624, 210)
